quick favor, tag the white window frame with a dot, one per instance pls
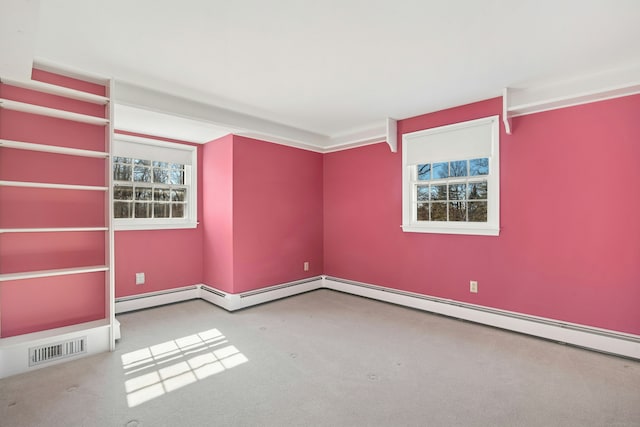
(191, 182)
(429, 140)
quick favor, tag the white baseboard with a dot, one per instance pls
(154, 299)
(228, 301)
(603, 340)
(233, 302)
(14, 351)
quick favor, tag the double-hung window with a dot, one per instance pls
(154, 184)
(451, 179)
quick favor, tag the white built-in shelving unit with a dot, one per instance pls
(100, 333)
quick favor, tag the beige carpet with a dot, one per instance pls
(327, 359)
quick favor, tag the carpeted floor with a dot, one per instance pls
(324, 359)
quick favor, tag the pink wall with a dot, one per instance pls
(39, 304)
(568, 248)
(263, 214)
(218, 213)
(169, 258)
(277, 213)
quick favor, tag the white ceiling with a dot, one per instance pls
(331, 67)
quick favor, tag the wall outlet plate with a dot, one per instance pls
(139, 278)
(473, 286)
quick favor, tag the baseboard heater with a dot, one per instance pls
(233, 302)
(276, 287)
(603, 340)
(593, 338)
(154, 299)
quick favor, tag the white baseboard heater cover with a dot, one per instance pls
(592, 338)
(602, 340)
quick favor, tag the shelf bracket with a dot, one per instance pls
(392, 134)
(506, 116)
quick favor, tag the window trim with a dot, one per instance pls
(489, 228)
(191, 175)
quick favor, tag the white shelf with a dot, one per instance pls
(578, 90)
(19, 145)
(52, 273)
(52, 112)
(51, 229)
(53, 186)
(57, 90)
(575, 99)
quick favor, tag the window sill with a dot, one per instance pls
(483, 230)
(153, 226)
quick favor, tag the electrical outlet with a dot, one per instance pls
(139, 278)
(306, 266)
(473, 286)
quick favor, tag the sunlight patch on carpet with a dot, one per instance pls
(171, 365)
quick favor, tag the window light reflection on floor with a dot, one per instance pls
(174, 364)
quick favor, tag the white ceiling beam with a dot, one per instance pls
(140, 97)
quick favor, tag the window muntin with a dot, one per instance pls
(455, 191)
(451, 179)
(148, 189)
(154, 184)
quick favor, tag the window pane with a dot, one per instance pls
(143, 210)
(422, 214)
(177, 210)
(478, 211)
(457, 191)
(161, 194)
(122, 210)
(439, 211)
(458, 168)
(141, 174)
(161, 210)
(457, 211)
(122, 192)
(423, 193)
(121, 160)
(139, 162)
(143, 193)
(179, 194)
(424, 172)
(176, 177)
(440, 170)
(161, 175)
(160, 164)
(121, 172)
(478, 190)
(479, 167)
(176, 166)
(439, 192)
